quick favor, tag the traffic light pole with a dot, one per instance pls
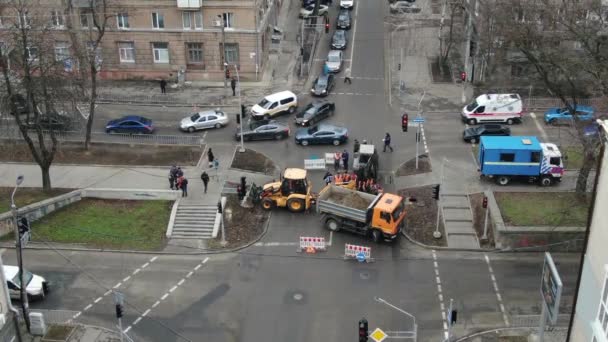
(437, 233)
(485, 223)
(18, 244)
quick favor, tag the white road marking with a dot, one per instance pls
(205, 261)
(181, 282)
(496, 291)
(156, 304)
(173, 288)
(87, 307)
(189, 274)
(164, 296)
(98, 300)
(126, 279)
(426, 147)
(352, 46)
(127, 330)
(136, 271)
(117, 285)
(77, 315)
(197, 267)
(275, 244)
(145, 265)
(107, 293)
(331, 236)
(153, 259)
(540, 128)
(440, 294)
(145, 313)
(136, 321)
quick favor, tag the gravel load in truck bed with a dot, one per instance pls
(351, 199)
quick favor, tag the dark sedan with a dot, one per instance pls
(473, 134)
(322, 135)
(343, 21)
(131, 124)
(338, 40)
(272, 130)
(53, 122)
(315, 112)
(322, 85)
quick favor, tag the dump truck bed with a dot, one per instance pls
(346, 203)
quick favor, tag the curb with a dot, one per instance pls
(441, 248)
(99, 165)
(480, 333)
(254, 172)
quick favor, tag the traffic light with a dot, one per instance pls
(327, 27)
(463, 76)
(23, 225)
(436, 191)
(118, 311)
(484, 204)
(243, 110)
(242, 188)
(238, 119)
(227, 73)
(404, 121)
(219, 207)
(363, 330)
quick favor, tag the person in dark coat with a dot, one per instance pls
(205, 179)
(163, 86)
(210, 157)
(172, 177)
(387, 142)
(179, 173)
(345, 160)
(233, 86)
(184, 186)
(357, 146)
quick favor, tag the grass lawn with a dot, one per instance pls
(25, 196)
(543, 208)
(573, 157)
(112, 224)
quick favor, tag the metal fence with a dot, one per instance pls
(168, 99)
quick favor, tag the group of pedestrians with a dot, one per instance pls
(341, 160)
(177, 181)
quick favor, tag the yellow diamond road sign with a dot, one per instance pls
(378, 335)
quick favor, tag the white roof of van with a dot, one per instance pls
(497, 98)
(280, 95)
(550, 150)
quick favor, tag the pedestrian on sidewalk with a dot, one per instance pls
(387, 142)
(163, 86)
(205, 179)
(345, 160)
(337, 158)
(173, 177)
(184, 186)
(347, 76)
(210, 157)
(179, 173)
(178, 183)
(233, 86)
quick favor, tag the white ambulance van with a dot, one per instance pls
(501, 108)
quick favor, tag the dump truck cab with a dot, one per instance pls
(388, 215)
(293, 192)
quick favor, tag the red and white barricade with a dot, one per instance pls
(312, 244)
(351, 251)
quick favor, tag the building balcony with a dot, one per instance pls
(189, 4)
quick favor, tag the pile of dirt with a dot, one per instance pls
(243, 225)
(351, 199)
(409, 167)
(421, 216)
(251, 160)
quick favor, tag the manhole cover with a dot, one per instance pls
(298, 296)
(364, 275)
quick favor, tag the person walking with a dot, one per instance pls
(387, 142)
(357, 146)
(163, 86)
(347, 76)
(328, 178)
(337, 158)
(184, 186)
(205, 179)
(233, 86)
(345, 160)
(172, 177)
(179, 173)
(210, 157)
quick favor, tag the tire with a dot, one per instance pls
(336, 142)
(376, 236)
(304, 142)
(218, 125)
(546, 181)
(473, 140)
(296, 205)
(510, 122)
(190, 129)
(266, 116)
(278, 136)
(503, 180)
(472, 121)
(332, 225)
(553, 122)
(112, 131)
(247, 138)
(267, 204)
(291, 110)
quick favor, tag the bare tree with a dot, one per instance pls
(455, 8)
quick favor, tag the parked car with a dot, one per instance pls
(322, 134)
(55, 122)
(393, 1)
(272, 130)
(473, 134)
(322, 85)
(204, 119)
(347, 4)
(338, 40)
(306, 12)
(556, 116)
(132, 124)
(403, 7)
(36, 286)
(343, 21)
(334, 60)
(20, 104)
(315, 112)
(275, 104)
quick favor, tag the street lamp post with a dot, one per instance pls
(18, 244)
(238, 85)
(402, 334)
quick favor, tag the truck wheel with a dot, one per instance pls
(510, 122)
(503, 180)
(473, 140)
(376, 236)
(546, 181)
(267, 204)
(472, 122)
(553, 122)
(296, 205)
(332, 225)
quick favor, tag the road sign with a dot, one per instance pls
(551, 288)
(419, 120)
(378, 335)
(361, 257)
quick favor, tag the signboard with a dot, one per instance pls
(378, 335)
(419, 120)
(314, 164)
(551, 288)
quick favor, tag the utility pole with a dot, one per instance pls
(437, 233)
(24, 300)
(469, 12)
(118, 301)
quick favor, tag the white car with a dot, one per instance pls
(203, 120)
(334, 61)
(306, 12)
(347, 4)
(36, 286)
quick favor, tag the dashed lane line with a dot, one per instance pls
(164, 296)
(426, 147)
(540, 128)
(496, 291)
(440, 294)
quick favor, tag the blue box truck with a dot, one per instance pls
(519, 157)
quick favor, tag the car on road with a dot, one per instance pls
(338, 40)
(55, 122)
(322, 134)
(393, 1)
(473, 134)
(275, 104)
(344, 20)
(36, 286)
(334, 61)
(556, 116)
(271, 130)
(204, 119)
(315, 112)
(403, 7)
(322, 85)
(131, 124)
(347, 4)
(306, 12)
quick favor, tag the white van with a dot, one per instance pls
(275, 104)
(503, 108)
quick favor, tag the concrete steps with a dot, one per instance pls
(458, 221)
(194, 221)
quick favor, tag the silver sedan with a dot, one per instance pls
(203, 120)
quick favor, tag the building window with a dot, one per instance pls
(122, 21)
(85, 18)
(158, 20)
(32, 53)
(192, 20)
(126, 51)
(231, 53)
(25, 20)
(195, 53)
(62, 51)
(517, 70)
(600, 325)
(161, 52)
(57, 19)
(228, 19)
